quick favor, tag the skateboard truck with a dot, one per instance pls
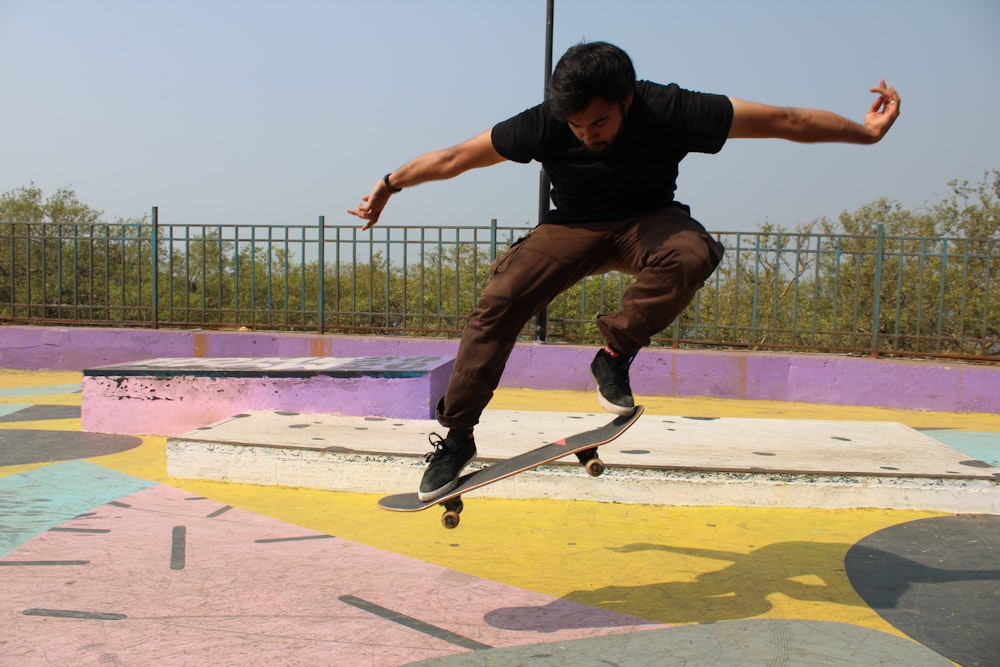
(453, 506)
(589, 460)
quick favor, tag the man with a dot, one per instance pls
(611, 147)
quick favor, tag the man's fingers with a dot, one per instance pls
(888, 97)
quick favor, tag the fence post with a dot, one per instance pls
(322, 274)
(877, 297)
(156, 265)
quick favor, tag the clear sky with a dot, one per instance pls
(275, 112)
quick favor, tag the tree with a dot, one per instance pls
(60, 261)
(32, 250)
(936, 270)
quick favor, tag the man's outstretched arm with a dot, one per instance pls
(433, 166)
(761, 121)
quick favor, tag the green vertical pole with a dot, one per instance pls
(493, 240)
(322, 273)
(877, 297)
(155, 265)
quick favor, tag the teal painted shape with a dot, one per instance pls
(35, 501)
(981, 446)
(12, 392)
(11, 408)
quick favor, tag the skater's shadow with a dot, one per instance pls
(743, 587)
(559, 615)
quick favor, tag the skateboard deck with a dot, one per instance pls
(586, 442)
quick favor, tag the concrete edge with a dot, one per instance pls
(375, 473)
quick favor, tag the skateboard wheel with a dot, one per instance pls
(595, 467)
(450, 519)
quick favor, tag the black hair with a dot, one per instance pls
(586, 71)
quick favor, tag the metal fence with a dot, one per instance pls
(857, 294)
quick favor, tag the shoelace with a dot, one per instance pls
(438, 448)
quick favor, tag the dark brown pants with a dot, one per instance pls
(667, 251)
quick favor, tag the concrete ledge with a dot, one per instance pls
(660, 460)
(372, 473)
(808, 378)
(169, 396)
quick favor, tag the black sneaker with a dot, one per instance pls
(611, 375)
(449, 457)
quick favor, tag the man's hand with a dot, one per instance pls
(884, 112)
(434, 166)
(371, 205)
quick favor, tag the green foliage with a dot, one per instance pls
(932, 276)
(58, 261)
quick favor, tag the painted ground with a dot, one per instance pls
(104, 560)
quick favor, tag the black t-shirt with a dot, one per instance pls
(638, 172)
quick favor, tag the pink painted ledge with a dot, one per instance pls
(171, 396)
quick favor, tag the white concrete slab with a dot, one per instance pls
(660, 460)
(727, 444)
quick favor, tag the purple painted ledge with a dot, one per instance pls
(824, 379)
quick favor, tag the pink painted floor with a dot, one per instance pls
(162, 578)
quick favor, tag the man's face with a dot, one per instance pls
(599, 123)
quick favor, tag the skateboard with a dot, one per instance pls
(584, 445)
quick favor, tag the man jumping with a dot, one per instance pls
(611, 146)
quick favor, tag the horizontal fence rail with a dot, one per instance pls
(872, 295)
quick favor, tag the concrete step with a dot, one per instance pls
(669, 460)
